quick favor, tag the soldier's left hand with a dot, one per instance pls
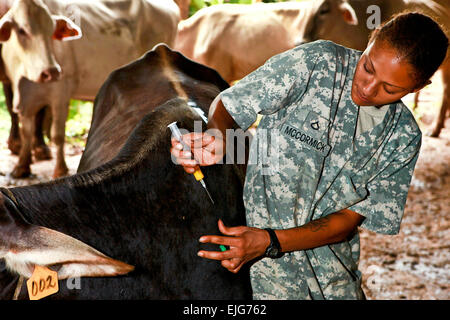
(245, 244)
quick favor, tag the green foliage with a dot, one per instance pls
(78, 121)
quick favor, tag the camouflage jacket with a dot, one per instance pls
(306, 163)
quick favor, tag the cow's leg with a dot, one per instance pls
(22, 169)
(40, 149)
(60, 112)
(440, 120)
(14, 134)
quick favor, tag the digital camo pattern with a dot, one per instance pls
(310, 121)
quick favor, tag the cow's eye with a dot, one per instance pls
(22, 32)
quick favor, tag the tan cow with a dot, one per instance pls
(356, 36)
(237, 39)
(46, 69)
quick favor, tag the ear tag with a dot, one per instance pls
(43, 282)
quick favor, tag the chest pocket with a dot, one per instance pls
(308, 131)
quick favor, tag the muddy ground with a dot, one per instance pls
(411, 265)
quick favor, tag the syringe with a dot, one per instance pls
(198, 173)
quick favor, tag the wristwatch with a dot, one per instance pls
(274, 249)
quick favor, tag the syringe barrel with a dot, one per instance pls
(177, 134)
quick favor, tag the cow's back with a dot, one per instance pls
(134, 90)
(232, 39)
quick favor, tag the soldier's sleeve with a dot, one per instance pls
(388, 190)
(265, 89)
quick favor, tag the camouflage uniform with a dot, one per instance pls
(320, 167)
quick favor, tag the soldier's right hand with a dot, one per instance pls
(206, 150)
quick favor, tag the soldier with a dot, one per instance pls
(347, 147)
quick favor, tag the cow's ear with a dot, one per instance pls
(65, 29)
(5, 28)
(71, 257)
(348, 13)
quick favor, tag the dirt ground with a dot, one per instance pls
(411, 265)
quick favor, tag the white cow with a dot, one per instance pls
(46, 69)
(237, 39)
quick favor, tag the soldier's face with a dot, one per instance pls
(381, 76)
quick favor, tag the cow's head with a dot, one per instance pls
(23, 246)
(27, 31)
(329, 20)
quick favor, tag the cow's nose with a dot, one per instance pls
(50, 74)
